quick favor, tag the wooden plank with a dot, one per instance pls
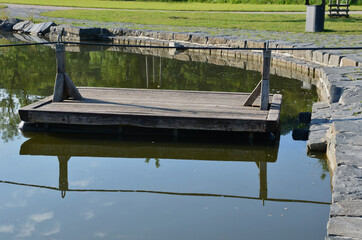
(274, 113)
(244, 125)
(23, 112)
(275, 108)
(175, 108)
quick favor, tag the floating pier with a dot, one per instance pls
(193, 110)
(155, 109)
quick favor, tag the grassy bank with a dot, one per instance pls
(271, 22)
(2, 6)
(174, 6)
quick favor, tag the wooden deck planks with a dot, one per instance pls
(156, 109)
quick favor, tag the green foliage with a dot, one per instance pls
(4, 14)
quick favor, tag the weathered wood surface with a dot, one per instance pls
(265, 80)
(56, 146)
(64, 87)
(152, 108)
(253, 95)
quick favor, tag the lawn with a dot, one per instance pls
(270, 22)
(174, 6)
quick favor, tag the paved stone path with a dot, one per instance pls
(325, 40)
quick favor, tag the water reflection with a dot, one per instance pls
(151, 189)
(64, 148)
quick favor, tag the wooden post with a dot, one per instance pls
(63, 174)
(263, 86)
(263, 189)
(264, 104)
(59, 79)
(64, 87)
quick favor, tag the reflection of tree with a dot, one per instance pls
(27, 72)
(157, 162)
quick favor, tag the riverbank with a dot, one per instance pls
(336, 120)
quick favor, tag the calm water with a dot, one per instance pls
(98, 187)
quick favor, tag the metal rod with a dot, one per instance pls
(184, 47)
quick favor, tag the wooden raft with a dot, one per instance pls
(195, 110)
(159, 109)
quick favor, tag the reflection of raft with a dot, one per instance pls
(65, 147)
(57, 146)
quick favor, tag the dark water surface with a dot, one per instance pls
(100, 187)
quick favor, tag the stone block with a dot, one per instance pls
(182, 37)
(20, 26)
(318, 56)
(199, 39)
(217, 41)
(8, 24)
(317, 140)
(346, 61)
(326, 57)
(165, 35)
(79, 33)
(338, 238)
(346, 227)
(149, 33)
(347, 183)
(236, 43)
(307, 55)
(346, 208)
(117, 31)
(256, 44)
(41, 28)
(334, 60)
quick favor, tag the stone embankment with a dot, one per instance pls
(336, 124)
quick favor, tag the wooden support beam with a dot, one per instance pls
(64, 87)
(58, 88)
(71, 88)
(263, 86)
(253, 96)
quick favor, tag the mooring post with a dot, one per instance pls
(59, 79)
(64, 87)
(264, 104)
(263, 189)
(263, 86)
(63, 174)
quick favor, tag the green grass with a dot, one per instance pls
(179, 6)
(2, 6)
(271, 22)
